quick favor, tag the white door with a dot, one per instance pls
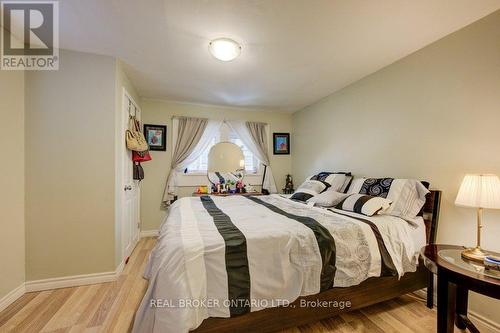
(131, 192)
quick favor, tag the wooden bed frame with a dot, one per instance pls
(371, 291)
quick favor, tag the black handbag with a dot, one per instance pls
(138, 173)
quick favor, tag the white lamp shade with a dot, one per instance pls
(481, 191)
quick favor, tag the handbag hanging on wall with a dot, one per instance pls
(141, 156)
(138, 172)
(134, 137)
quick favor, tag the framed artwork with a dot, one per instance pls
(281, 143)
(156, 136)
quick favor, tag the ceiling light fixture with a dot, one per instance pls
(224, 49)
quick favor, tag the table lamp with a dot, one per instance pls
(480, 192)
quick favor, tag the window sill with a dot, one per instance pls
(204, 174)
(195, 174)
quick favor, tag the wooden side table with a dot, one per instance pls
(456, 276)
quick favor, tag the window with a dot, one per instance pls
(200, 165)
(225, 134)
(251, 162)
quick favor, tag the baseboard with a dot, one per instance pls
(485, 325)
(11, 297)
(70, 281)
(74, 281)
(57, 283)
(60, 282)
(120, 268)
(149, 233)
(423, 293)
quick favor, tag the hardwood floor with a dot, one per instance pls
(110, 307)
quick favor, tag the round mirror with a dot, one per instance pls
(226, 163)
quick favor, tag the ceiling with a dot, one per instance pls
(294, 52)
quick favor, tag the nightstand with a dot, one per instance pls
(456, 276)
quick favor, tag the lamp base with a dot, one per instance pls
(475, 253)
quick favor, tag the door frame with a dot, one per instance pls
(120, 147)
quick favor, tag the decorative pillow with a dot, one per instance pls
(348, 180)
(407, 195)
(309, 189)
(337, 180)
(327, 199)
(364, 204)
(355, 185)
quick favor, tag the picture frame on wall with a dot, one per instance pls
(156, 136)
(281, 143)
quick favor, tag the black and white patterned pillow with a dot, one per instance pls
(407, 195)
(364, 204)
(377, 187)
(326, 175)
(338, 180)
(309, 189)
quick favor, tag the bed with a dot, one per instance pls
(225, 264)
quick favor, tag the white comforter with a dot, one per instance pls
(188, 279)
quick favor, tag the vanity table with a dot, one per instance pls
(226, 165)
(456, 276)
(196, 194)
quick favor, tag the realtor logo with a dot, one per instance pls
(30, 35)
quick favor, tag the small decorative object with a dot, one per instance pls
(156, 136)
(239, 186)
(203, 189)
(492, 265)
(281, 143)
(288, 185)
(480, 192)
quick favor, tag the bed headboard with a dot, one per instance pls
(430, 213)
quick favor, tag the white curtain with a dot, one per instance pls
(258, 147)
(211, 129)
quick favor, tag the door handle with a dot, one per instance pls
(128, 188)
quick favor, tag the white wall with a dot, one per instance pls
(70, 167)
(160, 112)
(433, 115)
(12, 255)
(66, 192)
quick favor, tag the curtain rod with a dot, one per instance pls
(223, 120)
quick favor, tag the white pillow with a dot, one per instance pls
(327, 199)
(338, 181)
(407, 195)
(347, 181)
(364, 204)
(356, 184)
(309, 189)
